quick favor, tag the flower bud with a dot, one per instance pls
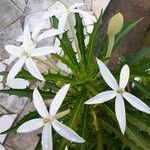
(115, 24)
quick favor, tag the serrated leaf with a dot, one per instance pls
(55, 22)
(75, 116)
(68, 49)
(137, 137)
(110, 128)
(80, 36)
(93, 41)
(137, 122)
(64, 60)
(28, 93)
(58, 77)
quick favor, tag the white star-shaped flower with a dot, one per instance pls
(63, 12)
(119, 92)
(25, 52)
(49, 120)
(37, 35)
(6, 122)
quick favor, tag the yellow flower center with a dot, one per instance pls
(46, 120)
(120, 91)
(26, 54)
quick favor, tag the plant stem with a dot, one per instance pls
(110, 46)
(98, 131)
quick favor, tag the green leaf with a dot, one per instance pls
(140, 56)
(139, 123)
(140, 74)
(111, 128)
(74, 118)
(28, 93)
(141, 88)
(68, 50)
(64, 60)
(80, 36)
(55, 22)
(84, 134)
(131, 132)
(136, 136)
(58, 77)
(125, 30)
(93, 41)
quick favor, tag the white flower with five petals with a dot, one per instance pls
(6, 122)
(49, 120)
(119, 92)
(25, 52)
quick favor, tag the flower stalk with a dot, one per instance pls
(98, 131)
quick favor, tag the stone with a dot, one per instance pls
(6, 19)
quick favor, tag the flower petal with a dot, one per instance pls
(75, 6)
(28, 44)
(136, 102)
(41, 51)
(58, 99)
(9, 60)
(56, 9)
(6, 121)
(14, 50)
(87, 17)
(107, 76)
(66, 148)
(15, 69)
(101, 97)
(67, 132)
(47, 141)
(62, 21)
(2, 67)
(18, 83)
(2, 147)
(120, 112)
(33, 69)
(37, 30)
(20, 38)
(49, 33)
(124, 76)
(31, 125)
(2, 137)
(39, 104)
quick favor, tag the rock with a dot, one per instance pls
(6, 19)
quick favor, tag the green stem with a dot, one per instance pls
(98, 131)
(110, 46)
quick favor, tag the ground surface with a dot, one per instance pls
(12, 15)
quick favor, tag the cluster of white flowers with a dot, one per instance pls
(28, 55)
